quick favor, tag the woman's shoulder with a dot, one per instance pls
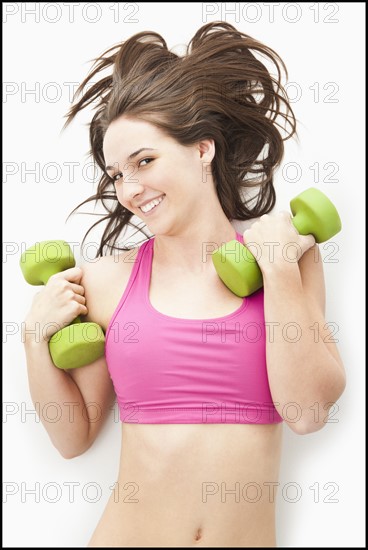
(98, 269)
(104, 281)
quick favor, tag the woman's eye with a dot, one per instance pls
(120, 174)
(143, 160)
(117, 177)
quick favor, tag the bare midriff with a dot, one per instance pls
(187, 485)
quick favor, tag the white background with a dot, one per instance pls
(322, 49)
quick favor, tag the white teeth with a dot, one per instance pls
(147, 207)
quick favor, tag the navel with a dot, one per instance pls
(198, 535)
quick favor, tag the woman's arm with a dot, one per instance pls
(72, 405)
(306, 374)
(72, 417)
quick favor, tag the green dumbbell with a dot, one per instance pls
(313, 214)
(77, 344)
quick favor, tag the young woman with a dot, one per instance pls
(204, 379)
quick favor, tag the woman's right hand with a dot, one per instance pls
(56, 305)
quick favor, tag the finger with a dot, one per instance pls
(289, 219)
(78, 289)
(80, 299)
(285, 213)
(73, 275)
(82, 310)
(308, 241)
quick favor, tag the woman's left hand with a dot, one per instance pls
(274, 241)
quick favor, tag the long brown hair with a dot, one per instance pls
(217, 90)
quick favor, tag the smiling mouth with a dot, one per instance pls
(156, 205)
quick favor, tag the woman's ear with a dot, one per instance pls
(206, 149)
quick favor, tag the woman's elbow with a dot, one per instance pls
(305, 428)
(69, 455)
(74, 451)
(316, 417)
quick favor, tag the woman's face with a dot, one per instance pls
(147, 164)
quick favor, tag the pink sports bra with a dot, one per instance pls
(168, 370)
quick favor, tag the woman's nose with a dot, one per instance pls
(131, 188)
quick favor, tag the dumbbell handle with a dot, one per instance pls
(313, 214)
(69, 347)
(254, 272)
(51, 267)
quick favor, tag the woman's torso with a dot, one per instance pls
(189, 484)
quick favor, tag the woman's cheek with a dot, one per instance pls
(120, 197)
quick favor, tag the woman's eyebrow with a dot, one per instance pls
(132, 155)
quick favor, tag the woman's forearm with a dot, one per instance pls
(57, 400)
(305, 378)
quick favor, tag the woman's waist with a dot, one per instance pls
(198, 493)
(201, 458)
(191, 511)
(194, 485)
